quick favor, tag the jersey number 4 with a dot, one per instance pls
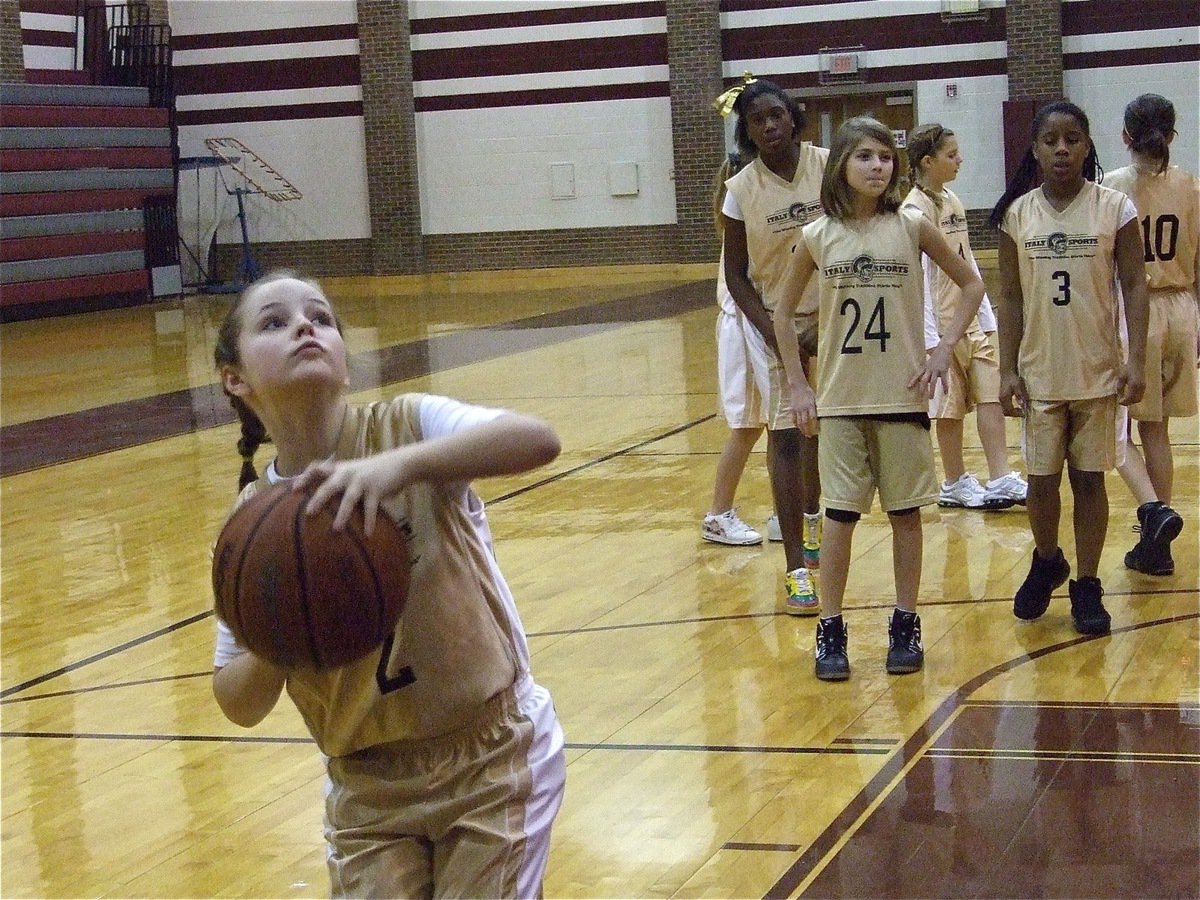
(876, 329)
(1166, 235)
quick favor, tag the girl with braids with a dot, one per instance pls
(767, 203)
(1166, 198)
(1061, 362)
(974, 375)
(444, 757)
(864, 258)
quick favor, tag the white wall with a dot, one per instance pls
(37, 56)
(200, 16)
(976, 118)
(1103, 94)
(324, 158)
(489, 169)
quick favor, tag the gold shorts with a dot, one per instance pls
(974, 378)
(467, 814)
(1170, 358)
(1081, 433)
(859, 455)
(772, 379)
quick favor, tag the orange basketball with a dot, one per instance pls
(302, 595)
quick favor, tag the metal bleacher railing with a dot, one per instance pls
(121, 47)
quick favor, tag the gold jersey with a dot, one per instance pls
(773, 211)
(951, 221)
(1071, 345)
(1168, 208)
(872, 309)
(459, 641)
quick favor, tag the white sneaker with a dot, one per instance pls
(727, 528)
(1005, 491)
(773, 532)
(965, 493)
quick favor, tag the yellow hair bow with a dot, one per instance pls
(724, 103)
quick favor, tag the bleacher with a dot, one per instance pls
(88, 180)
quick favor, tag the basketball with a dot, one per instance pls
(301, 595)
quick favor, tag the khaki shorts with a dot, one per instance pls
(974, 378)
(771, 378)
(739, 401)
(1082, 433)
(463, 815)
(858, 455)
(1170, 358)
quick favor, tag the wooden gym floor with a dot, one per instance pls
(705, 760)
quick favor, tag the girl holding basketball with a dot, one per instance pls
(444, 757)
(1061, 364)
(876, 379)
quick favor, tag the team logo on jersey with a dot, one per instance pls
(953, 221)
(1061, 244)
(803, 213)
(864, 268)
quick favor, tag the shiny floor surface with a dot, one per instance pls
(705, 760)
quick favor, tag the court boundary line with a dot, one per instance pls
(854, 815)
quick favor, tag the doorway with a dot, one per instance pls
(826, 113)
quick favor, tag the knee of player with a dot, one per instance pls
(844, 516)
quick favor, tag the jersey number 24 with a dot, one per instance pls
(875, 330)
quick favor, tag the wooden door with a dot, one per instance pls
(826, 114)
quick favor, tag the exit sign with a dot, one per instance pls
(843, 63)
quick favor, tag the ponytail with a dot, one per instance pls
(925, 140)
(254, 434)
(1153, 144)
(1150, 124)
(1022, 183)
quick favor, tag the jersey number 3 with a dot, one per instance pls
(876, 329)
(1064, 288)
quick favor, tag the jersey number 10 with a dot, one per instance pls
(1166, 234)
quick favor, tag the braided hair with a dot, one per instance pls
(925, 140)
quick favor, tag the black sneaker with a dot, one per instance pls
(832, 662)
(1087, 607)
(1159, 522)
(1159, 525)
(905, 653)
(1033, 597)
(1150, 558)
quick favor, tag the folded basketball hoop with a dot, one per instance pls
(257, 172)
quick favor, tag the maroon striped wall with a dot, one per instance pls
(243, 79)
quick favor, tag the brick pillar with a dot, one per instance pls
(159, 14)
(12, 53)
(1033, 29)
(698, 134)
(389, 115)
